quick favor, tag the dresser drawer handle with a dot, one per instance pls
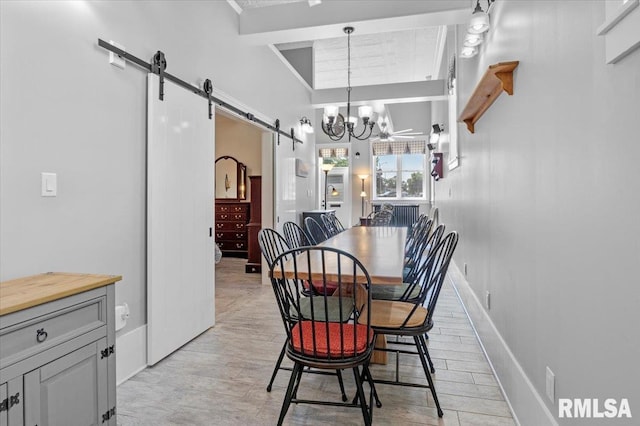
(219, 235)
(239, 245)
(239, 235)
(239, 225)
(219, 225)
(224, 216)
(41, 335)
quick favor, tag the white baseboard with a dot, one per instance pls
(131, 354)
(526, 403)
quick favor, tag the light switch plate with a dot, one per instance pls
(49, 184)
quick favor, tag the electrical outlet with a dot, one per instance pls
(551, 385)
(465, 269)
(487, 300)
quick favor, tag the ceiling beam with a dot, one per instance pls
(420, 91)
(295, 22)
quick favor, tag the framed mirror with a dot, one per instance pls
(231, 179)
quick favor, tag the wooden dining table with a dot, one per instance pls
(380, 249)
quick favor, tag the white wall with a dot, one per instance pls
(64, 109)
(546, 202)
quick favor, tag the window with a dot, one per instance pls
(400, 168)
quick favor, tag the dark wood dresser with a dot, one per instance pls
(254, 261)
(231, 227)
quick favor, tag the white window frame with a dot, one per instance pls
(425, 178)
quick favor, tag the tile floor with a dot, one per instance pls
(220, 377)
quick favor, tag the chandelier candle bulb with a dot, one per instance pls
(330, 111)
(365, 112)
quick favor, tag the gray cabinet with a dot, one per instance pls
(57, 362)
(11, 403)
(77, 380)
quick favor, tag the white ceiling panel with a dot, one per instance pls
(253, 4)
(383, 58)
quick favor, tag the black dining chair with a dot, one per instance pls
(273, 245)
(295, 235)
(332, 224)
(415, 318)
(314, 339)
(316, 232)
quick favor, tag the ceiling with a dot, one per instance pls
(383, 58)
(252, 4)
(395, 41)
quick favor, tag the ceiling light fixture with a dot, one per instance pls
(472, 40)
(468, 52)
(334, 123)
(478, 25)
(479, 22)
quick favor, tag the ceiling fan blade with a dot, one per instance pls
(408, 134)
(402, 131)
(403, 137)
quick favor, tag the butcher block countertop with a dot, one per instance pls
(23, 293)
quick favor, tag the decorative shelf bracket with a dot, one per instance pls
(498, 77)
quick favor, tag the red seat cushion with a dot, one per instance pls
(319, 287)
(335, 349)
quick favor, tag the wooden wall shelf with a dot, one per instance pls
(498, 77)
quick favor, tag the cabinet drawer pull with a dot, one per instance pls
(41, 335)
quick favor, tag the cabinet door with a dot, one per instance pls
(70, 391)
(11, 403)
(4, 404)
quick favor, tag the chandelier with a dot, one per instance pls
(334, 123)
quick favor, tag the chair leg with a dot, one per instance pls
(289, 395)
(365, 370)
(426, 352)
(297, 385)
(366, 375)
(341, 383)
(277, 367)
(361, 397)
(419, 344)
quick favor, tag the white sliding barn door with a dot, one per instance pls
(180, 254)
(285, 183)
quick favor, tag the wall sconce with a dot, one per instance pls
(326, 167)
(306, 125)
(363, 194)
(435, 134)
(334, 191)
(357, 154)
